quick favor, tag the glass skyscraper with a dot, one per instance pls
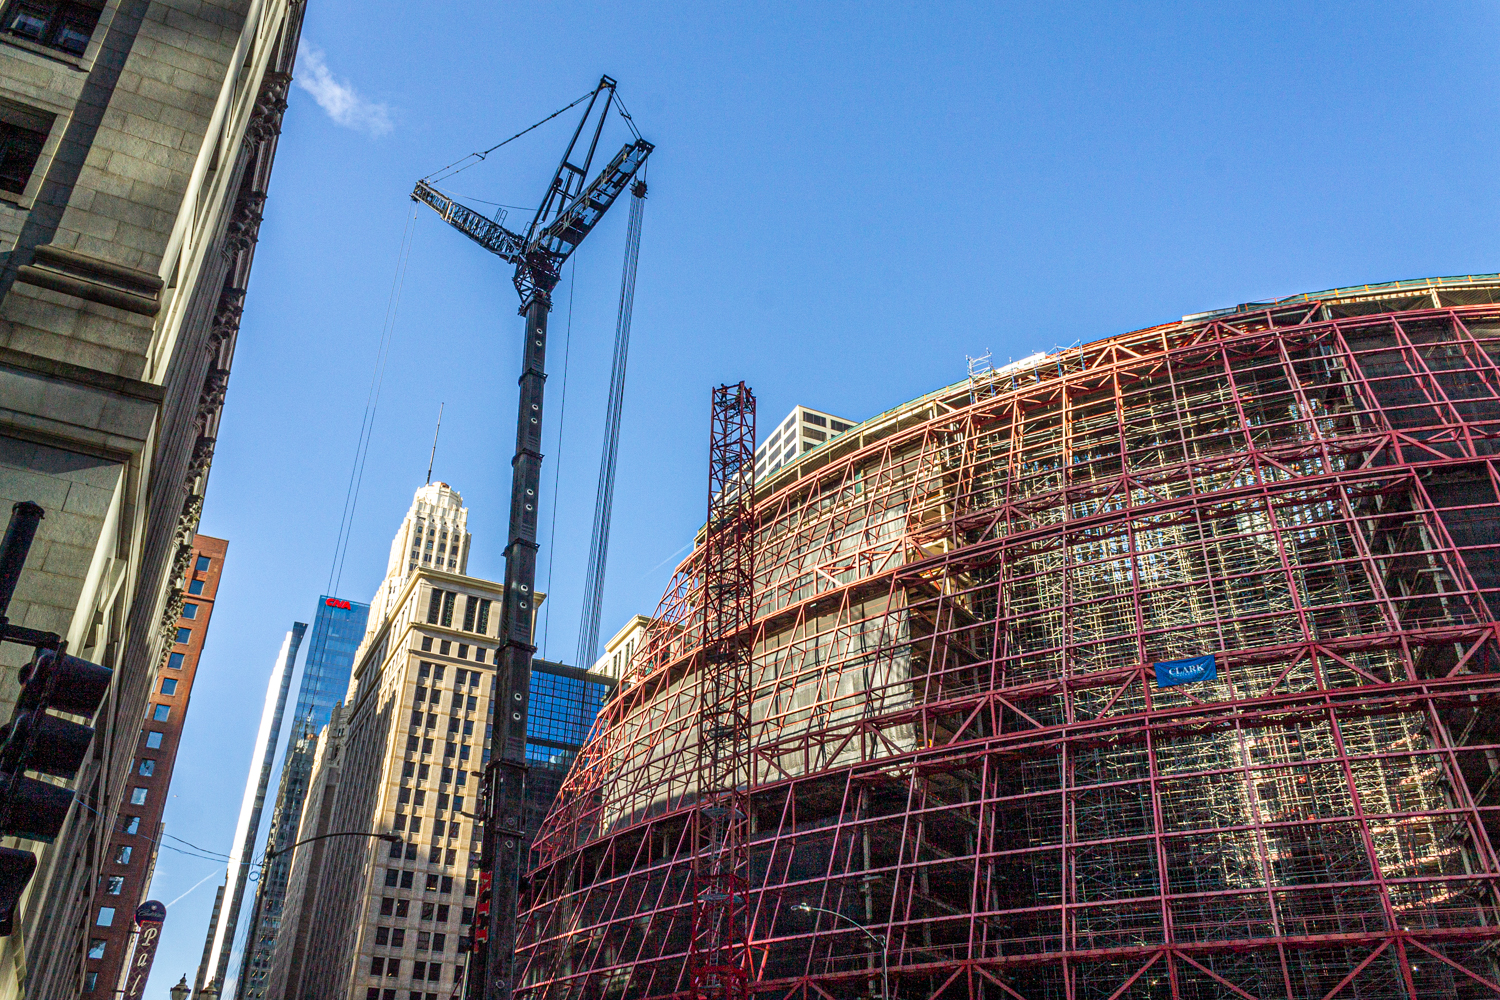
(337, 631)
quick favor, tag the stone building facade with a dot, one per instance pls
(136, 145)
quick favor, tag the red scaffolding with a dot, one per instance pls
(718, 949)
(957, 737)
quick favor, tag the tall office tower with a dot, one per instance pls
(301, 901)
(416, 724)
(433, 535)
(336, 634)
(131, 855)
(136, 145)
(221, 931)
(803, 430)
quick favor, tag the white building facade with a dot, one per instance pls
(801, 431)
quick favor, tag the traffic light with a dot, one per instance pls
(34, 739)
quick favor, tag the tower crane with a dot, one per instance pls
(569, 211)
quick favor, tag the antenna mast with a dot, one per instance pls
(433, 457)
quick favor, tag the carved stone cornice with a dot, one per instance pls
(244, 225)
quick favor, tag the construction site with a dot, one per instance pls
(898, 728)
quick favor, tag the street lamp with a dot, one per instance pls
(390, 838)
(880, 939)
(182, 989)
(209, 992)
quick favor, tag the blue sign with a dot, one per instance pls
(1170, 673)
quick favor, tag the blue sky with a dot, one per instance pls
(846, 199)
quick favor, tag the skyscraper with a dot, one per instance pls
(337, 630)
(131, 857)
(416, 728)
(221, 932)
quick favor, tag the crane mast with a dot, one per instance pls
(569, 211)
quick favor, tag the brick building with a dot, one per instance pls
(131, 856)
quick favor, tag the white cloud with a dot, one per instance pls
(338, 97)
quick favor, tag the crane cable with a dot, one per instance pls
(478, 157)
(593, 595)
(449, 170)
(372, 403)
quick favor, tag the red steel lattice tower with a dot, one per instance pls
(719, 950)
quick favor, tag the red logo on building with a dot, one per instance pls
(334, 602)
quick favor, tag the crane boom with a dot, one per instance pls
(569, 211)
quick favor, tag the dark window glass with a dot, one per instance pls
(434, 607)
(190, 611)
(406, 880)
(377, 966)
(411, 852)
(401, 907)
(183, 634)
(422, 772)
(391, 875)
(373, 993)
(432, 883)
(202, 566)
(407, 769)
(484, 618)
(398, 937)
(434, 971)
(426, 643)
(174, 661)
(169, 685)
(442, 913)
(96, 948)
(153, 739)
(382, 935)
(428, 909)
(448, 597)
(393, 968)
(439, 941)
(63, 26)
(813, 418)
(195, 587)
(471, 607)
(447, 883)
(90, 981)
(387, 904)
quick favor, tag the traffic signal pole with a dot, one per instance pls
(34, 739)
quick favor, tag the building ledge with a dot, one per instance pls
(94, 279)
(91, 377)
